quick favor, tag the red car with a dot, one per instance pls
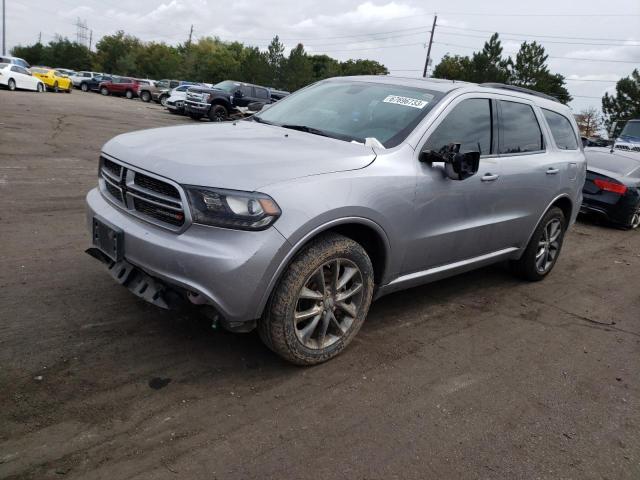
(120, 86)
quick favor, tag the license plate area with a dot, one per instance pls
(108, 239)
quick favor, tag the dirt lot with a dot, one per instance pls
(479, 376)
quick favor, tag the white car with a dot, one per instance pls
(16, 77)
(175, 102)
(14, 60)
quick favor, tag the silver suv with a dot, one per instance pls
(292, 221)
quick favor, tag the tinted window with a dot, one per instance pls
(22, 63)
(561, 130)
(246, 91)
(24, 71)
(468, 124)
(520, 131)
(261, 92)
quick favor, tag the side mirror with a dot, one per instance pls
(457, 166)
(237, 94)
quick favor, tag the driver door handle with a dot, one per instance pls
(489, 177)
(552, 171)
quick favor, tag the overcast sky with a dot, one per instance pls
(605, 33)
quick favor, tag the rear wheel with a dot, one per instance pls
(40, 88)
(145, 96)
(635, 219)
(163, 100)
(104, 91)
(84, 87)
(321, 301)
(128, 94)
(543, 250)
(11, 84)
(55, 87)
(218, 113)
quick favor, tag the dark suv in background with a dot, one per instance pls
(226, 98)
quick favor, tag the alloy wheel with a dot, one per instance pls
(328, 303)
(548, 245)
(12, 84)
(635, 219)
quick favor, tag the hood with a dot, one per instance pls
(240, 155)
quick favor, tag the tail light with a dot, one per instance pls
(609, 186)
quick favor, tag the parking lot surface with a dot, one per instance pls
(477, 376)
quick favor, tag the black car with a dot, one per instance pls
(612, 187)
(224, 99)
(92, 84)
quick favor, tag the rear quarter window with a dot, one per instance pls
(561, 129)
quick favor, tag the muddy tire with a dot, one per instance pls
(218, 113)
(543, 249)
(145, 96)
(320, 302)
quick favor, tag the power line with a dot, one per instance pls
(485, 14)
(549, 56)
(541, 41)
(446, 27)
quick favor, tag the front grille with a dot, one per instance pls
(196, 97)
(159, 213)
(156, 185)
(145, 196)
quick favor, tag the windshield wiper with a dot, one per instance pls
(304, 128)
(255, 118)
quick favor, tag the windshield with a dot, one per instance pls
(351, 110)
(228, 86)
(631, 129)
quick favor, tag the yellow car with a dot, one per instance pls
(53, 79)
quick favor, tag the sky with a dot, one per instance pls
(592, 43)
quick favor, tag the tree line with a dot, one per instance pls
(528, 69)
(208, 59)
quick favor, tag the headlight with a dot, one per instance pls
(231, 208)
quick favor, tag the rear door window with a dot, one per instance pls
(469, 124)
(562, 130)
(262, 93)
(519, 129)
(246, 91)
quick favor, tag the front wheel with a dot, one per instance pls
(218, 113)
(543, 249)
(84, 87)
(145, 96)
(635, 219)
(104, 91)
(163, 100)
(11, 84)
(321, 301)
(55, 87)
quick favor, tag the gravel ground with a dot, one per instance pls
(477, 376)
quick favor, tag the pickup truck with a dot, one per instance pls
(224, 99)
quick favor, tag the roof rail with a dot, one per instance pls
(504, 86)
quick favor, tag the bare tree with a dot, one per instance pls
(589, 121)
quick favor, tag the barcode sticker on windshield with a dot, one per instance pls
(406, 101)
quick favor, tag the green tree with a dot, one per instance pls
(530, 70)
(33, 54)
(454, 68)
(363, 67)
(625, 104)
(113, 53)
(297, 70)
(488, 64)
(275, 57)
(254, 66)
(324, 66)
(60, 52)
(157, 60)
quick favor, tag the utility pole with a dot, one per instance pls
(90, 38)
(426, 62)
(4, 29)
(40, 37)
(190, 34)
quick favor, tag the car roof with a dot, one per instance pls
(445, 86)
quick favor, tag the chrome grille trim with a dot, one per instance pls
(155, 207)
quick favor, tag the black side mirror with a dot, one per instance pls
(457, 166)
(238, 94)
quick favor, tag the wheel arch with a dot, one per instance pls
(564, 203)
(370, 235)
